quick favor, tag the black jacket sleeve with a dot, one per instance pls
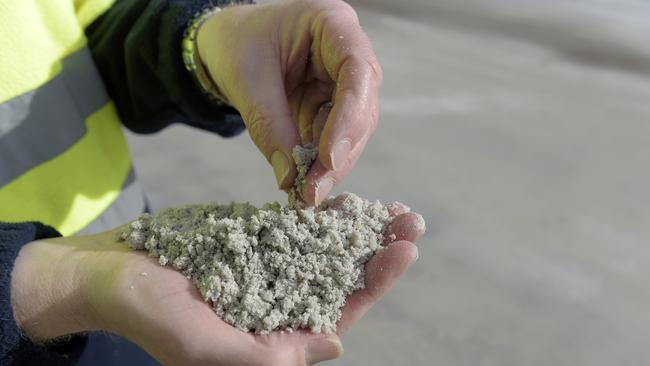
(137, 49)
(14, 348)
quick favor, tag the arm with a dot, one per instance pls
(15, 348)
(137, 49)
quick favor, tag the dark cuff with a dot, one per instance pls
(14, 348)
(137, 47)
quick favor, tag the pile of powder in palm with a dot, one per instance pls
(274, 268)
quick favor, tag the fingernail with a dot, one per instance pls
(340, 153)
(323, 349)
(397, 208)
(415, 256)
(323, 188)
(281, 166)
(420, 224)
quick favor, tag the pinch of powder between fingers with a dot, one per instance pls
(274, 268)
(303, 156)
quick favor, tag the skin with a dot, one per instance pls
(69, 285)
(280, 64)
(298, 71)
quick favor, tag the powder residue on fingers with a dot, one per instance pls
(274, 268)
(303, 156)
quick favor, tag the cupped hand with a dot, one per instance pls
(106, 286)
(165, 314)
(298, 72)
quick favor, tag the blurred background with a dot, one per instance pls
(521, 131)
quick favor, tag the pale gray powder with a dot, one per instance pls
(303, 156)
(275, 268)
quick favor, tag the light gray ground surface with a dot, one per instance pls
(520, 130)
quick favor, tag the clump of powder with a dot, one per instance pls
(274, 268)
(303, 156)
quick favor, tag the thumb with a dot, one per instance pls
(266, 113)
(323, 348)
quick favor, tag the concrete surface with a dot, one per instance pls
(520, 130)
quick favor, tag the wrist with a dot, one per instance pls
(45, 291)
(207, 35)
(68, 285)
(213, 36)
(194, 63)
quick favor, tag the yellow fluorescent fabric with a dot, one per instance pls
(73, 188)
(88, 10)
(35, 35)
(83, 180)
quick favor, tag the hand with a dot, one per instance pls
(74, 284)
(281, 65)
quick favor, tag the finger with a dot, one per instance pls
(381, 273)
(295, 99)
(298, 348)
(320, 120)
(323, 349)
(353, 117)
(398, 208)
(316, 95)
(348, 58)
(407, 226)
(320, 180)
(267, 116)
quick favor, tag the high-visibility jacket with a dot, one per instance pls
(63, 157)
(64, 160)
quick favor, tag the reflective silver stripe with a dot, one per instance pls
(43, 123)
(127, 207)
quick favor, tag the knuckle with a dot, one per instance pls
(334, 9)
(335, 178)
(346, 9)
(375, 69)
(367, 61)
